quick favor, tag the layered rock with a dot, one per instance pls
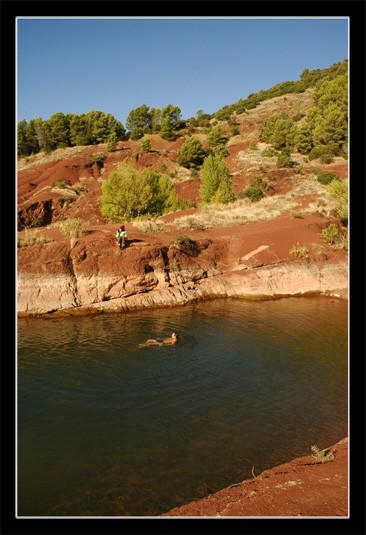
(94, 276)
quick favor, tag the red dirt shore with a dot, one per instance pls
(304, 487)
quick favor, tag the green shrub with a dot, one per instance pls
(333, 236)
(269, 152)
(216, 182)
(339, 191)
(327, 178)
(145, 145)
(61, 184)
(192, 153)
(253, 145)
(136, 134)
(300, 251)
(221, 150)
(126, 193)
(326, 158)
(276, 129)
(254, 193)
(318, 151)
(112, 142)
(284, 161)
(216, 136)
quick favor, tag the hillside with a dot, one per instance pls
(255, 250)
(285, 225)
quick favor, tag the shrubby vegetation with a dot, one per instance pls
(327, 177)
(333, 234)
(129, 193)
(216, 136)
(192, 153)
(276, 130)
(216, 183)
(257, 189)
(325, 129)
(145, 120)
(307, 79)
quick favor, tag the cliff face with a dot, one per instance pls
(95, 275)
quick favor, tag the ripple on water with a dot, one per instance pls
(100, 416)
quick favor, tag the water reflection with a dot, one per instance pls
(110, 428)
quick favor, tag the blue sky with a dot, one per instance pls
(115, 65)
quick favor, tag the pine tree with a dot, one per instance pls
(192, 153)
(275, 130)
(112, 142)
(59, 130)
(145, 145)
(22, 146)
(169, 116)
(139, 118)
(331, 127)
(216, 182)
(304, 139)
(167, 129)
(43, 135)
(216, 136)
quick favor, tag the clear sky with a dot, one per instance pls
(115, 65)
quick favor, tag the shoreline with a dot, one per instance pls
(99, 308)
(304, 487)
(65, 294)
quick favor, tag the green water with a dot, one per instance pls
(108, 428)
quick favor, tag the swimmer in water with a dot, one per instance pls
(163, 341)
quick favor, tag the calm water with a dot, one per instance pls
(107, 428)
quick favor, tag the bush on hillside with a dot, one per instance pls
(339, 191)
(269, 152)
(216, 181)
(129, 193)
(327, 178)
(284, 161)
(216, 136)
(253, 193)
(192, 153)
(145, 145)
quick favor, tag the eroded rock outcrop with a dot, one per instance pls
(96, 276)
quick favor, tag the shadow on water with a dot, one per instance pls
(107, 427)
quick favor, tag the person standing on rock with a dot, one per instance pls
(121, 236)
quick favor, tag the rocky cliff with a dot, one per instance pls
(93, 274)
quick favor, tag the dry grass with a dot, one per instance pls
(148, 225)
(244, 211)
(239, 212)
(31, 237)
(29, 162)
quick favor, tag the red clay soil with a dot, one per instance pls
(305, 487)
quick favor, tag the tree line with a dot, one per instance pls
(61, 131)
(96, 127)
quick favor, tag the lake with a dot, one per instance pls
(109, 428)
